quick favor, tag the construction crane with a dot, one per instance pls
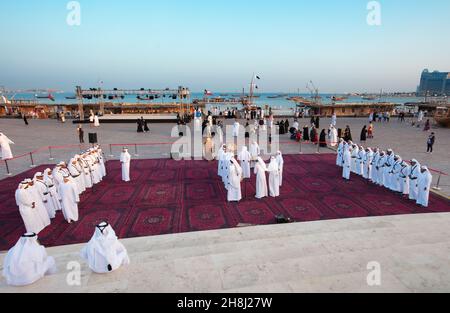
(314, 91)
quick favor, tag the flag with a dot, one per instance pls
(258, 77)
(208, 92)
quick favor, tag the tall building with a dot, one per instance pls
(434, 83)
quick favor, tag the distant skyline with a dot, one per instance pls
(217, 45)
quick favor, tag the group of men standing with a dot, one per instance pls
(234, 172)
(40, 198)
(387, 169)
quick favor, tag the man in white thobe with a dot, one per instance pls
(388, 165)
(340, 153)
(87, 171)
(404, 178)
(280, 161)
(5, 147)
(334, 120)
(354, 155)
(396, 169)
(42, 188)
(255, 152)
(69, 200)
(360, 161)
(27, 262)
(125, 159)
(220, 158)
(234, 182)
(373, 165)
(76, 173)
(367, 164)
(413, 180)
(332, 136)
(381, 168)
(236, 127)
(261, 179)
(347, 162)
(245, 158)
(38, 199)
(27, 208)
(101, 159)
(104, 252)
(226, 167)
(54, 196)
(424, 186)
(274, 178)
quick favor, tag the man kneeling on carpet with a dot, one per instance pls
(104, 252)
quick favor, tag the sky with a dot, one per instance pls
(219, 44)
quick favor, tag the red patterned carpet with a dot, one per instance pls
(171, 197)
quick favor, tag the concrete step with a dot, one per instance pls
(319, 256)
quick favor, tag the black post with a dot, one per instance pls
(31, 158)
(7, 168)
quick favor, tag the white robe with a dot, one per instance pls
(236, 127)
(125, 159)
(360, 162)
(69, 201)
(30, 216)
(104, 252)
(78, 177)
(340, 155)
(220, 157)
(334, 120)
(388, 167)
(374, 171)
(48, 203)
(27, 262)
(234, 183)
(226, 168)
(354, 156)
(413, 182)
(245, 158)
(38, 200)
(280, 161)
(333, 137)
(54, 196)
(261, 180)
(88, 178)
(424, 185)
(254, 153)
(367, 165)
(5, 148)
(404, 179)
(96, 121)
(274, 179)
(395, 180)
(347, 163)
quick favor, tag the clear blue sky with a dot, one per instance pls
(218, 44)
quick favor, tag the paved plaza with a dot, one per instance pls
(408, 141)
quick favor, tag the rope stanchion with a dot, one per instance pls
(301, 152)
(136, 154)
(437, 187)
(8, 173)
(51, 158)
(111, 155)
(32, 161)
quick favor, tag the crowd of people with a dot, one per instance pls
(387, 169)
(59, 189)
(233, 173)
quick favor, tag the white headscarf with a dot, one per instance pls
(273, 166)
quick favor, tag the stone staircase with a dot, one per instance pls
(325, 256)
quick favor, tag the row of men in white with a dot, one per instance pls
(27, 262)
(233, 173)
(59, 189)
(386, 169)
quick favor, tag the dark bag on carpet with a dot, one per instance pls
(281, 219)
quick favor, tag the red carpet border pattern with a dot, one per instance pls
(167, 197)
